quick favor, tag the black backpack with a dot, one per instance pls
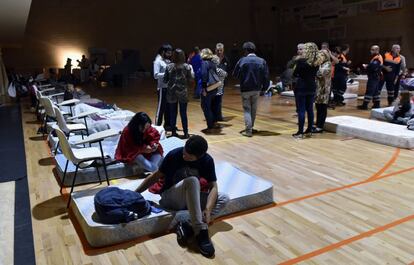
(114, 205)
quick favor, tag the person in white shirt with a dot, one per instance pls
(160, 65)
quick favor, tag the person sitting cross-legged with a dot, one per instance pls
(188, 180)
(140, 143)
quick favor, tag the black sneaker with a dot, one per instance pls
(297, 135)
(317, 130)
(184, 231)
(376, 105)
(185, 136)
(308, 132)
(362, 107)
(204, 244)
(174, 134)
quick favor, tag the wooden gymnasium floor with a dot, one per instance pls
(339, 200)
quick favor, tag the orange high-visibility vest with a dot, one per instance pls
(379, 58)
(342, 58)
(389, 57)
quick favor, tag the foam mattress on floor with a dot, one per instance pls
(378, 114)
(291, 94)
(372, 130)
(119, 170)
(245, 192)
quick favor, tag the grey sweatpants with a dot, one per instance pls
(249, 100)
(186, 195)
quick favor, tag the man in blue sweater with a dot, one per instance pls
(253, 73)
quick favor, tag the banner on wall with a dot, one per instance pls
(390, 4)
(368, 7)
(321, 14)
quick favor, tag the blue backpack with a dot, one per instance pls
(114, 205)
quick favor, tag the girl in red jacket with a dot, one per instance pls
(139, 143)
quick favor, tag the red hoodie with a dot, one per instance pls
(127, 150)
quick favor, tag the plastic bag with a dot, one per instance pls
(12, 90)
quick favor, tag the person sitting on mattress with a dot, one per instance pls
(189, 183)
(139, 143)
(403, 109)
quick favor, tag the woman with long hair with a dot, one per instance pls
(139, 143)
(208, 77)
(323, 91)
(307, 66)
(178, 76)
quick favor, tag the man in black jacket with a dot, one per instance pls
(253, 73)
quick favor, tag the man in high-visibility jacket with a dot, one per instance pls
(374, 74)
(391, 71)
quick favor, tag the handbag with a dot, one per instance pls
(214, 86)
(213, 81)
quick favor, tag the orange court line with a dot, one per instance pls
(387, 165)
(372, 178)
(347, 241)
(397, 172)
(344, 187)
(376, 176)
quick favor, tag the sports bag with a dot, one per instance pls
(114, 205)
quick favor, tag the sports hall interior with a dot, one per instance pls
(337, 197)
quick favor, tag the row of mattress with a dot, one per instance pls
(245, 191)
(375, 129)
(372, 130)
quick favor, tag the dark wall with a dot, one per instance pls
(58, 27)
(361, 30)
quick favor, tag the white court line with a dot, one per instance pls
(325, 176)
(7, 191)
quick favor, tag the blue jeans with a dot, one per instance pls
(207, 106)
(151, 164)
(197, 89)
(183, 114)
(305, 105)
